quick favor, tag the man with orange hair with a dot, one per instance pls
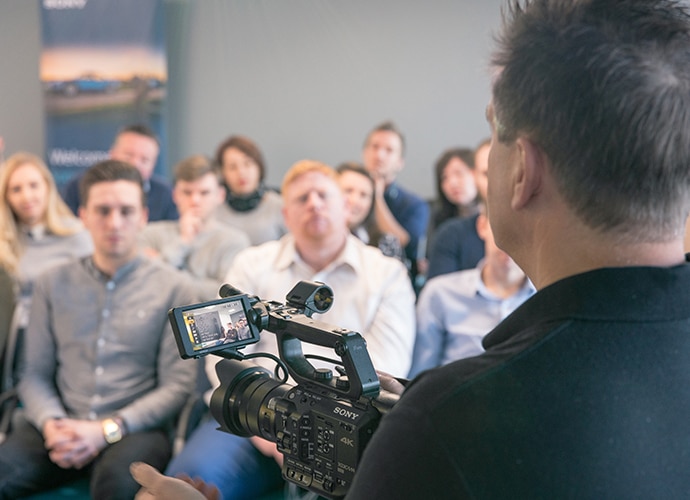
(372, 296)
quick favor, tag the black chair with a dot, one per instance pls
(8, 349)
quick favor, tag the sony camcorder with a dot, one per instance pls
(322, 424)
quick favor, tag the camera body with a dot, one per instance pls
(322, 424)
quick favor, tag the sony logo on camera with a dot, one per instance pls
(345, 413)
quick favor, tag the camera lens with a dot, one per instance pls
(240, 404)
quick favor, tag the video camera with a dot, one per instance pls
(321, 425)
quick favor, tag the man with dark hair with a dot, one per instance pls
(398, 211)
(197, 243)
(582, 392)
(138, 146)
(102, 377)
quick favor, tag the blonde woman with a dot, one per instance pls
(37, 229)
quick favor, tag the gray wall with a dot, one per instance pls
(21, 119)
(304, 78)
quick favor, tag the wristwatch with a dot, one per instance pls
(112, 430)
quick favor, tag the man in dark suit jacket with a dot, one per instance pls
(138, 146)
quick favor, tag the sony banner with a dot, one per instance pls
(103, 67)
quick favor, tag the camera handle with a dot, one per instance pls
(292, 324)
(292, 328)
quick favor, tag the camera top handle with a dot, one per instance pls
(292, 324)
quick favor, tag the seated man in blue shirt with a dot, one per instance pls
(456, 310)
(138, 146)
(103, 378)
(398, 211)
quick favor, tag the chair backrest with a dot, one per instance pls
(8, 351)
(7, 302)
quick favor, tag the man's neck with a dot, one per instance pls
(109, 265)
(502, 282)
(319, 254)
(550, 242)
(556, 258)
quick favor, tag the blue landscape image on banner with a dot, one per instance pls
(103, 67)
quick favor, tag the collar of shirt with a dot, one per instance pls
(119, 275)
(35, 233)
(288, 255)
(362, 234)
(526, 288)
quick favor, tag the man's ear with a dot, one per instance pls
(144, 217)
(528, 174)
(482, 226)
(283, 211)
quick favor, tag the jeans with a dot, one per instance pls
(229, 462)
(25, 467)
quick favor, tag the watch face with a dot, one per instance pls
(111, 431)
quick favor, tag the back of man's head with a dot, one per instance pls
(109, 171)
(603, 88)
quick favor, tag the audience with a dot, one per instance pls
(372, 295)
(103, 377)
(582, 391)
(455, 311)
(249, 206)
(138, 146)
(456, 189)
(455, 244)
(196, 244)
(358, 187)
(38, 232)
(397, 211)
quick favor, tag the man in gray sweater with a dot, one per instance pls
(197, 243)
(102, 378)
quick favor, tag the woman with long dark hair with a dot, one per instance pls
(456, 189)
